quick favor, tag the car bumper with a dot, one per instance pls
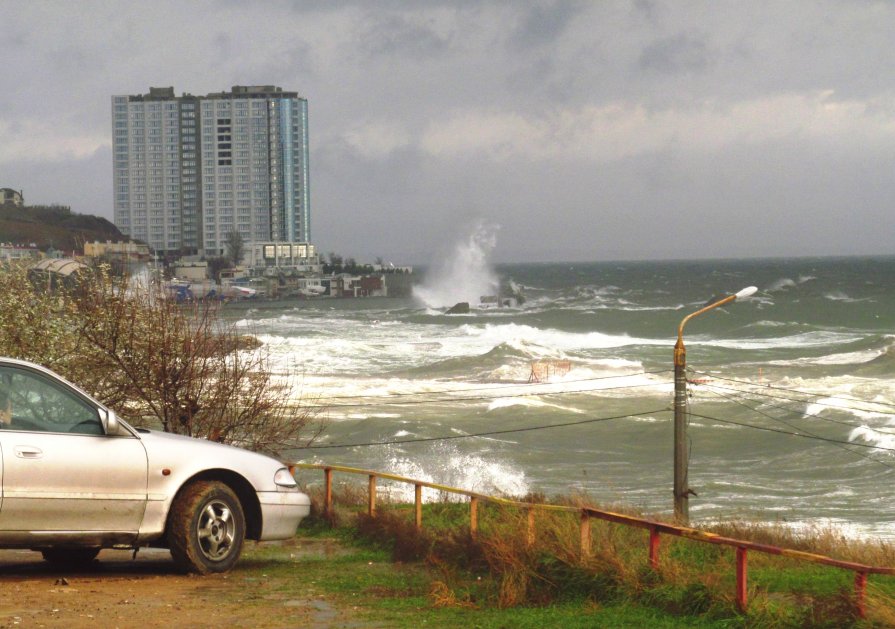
(281, 512)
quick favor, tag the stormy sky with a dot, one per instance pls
(580, 130)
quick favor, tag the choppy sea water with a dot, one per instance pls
(793, 409)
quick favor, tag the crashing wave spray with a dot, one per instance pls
(140, 282)
(140, 278)
(465, 274)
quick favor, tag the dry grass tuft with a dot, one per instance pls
(511, 568)
(347, 498)
(823, 540)
(396, 531)
(444, 596)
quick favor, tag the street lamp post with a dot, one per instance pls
(681, 490)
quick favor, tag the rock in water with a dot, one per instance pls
(459, 308)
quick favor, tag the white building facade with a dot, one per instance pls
(299, 257)
(189, 170)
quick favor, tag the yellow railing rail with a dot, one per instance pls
(655, 528)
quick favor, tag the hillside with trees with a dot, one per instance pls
(53, 225)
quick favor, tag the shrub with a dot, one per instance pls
(181, 368)
(502, 566)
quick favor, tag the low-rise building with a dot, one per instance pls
(54, 272)
(345, 285)
(13, 197)
(300, 257)
(192, 270)
(130, 251)
(19, 252)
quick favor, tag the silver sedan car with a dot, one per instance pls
(76, 479)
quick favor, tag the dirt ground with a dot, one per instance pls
(118, 591)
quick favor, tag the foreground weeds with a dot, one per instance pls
(502, 568)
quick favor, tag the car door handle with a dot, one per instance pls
(28, 452)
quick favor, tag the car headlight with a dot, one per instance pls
(284, 478)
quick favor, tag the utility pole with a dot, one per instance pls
(681, 455)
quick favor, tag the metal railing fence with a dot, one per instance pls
(586, 514)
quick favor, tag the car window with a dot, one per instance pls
(30, 401)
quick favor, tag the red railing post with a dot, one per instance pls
(328, 494)
(742, 576)
(860, 591)
(530, 538)
(655, 529)
(585, 535)
(473, 516)
(418, 506)
(371, 508)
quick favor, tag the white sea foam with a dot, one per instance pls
(764, 323)
(840, 296)
(494, 335)
(594, 299)
(808, 339)
(605, 377)
(647, 419)
(862, 410)
(715, 426)
(457, 367)
(847, 528)
(501, 403)
(446, 465)
(845, 358)
(628, 307)
(319, 347)
(874, 437)
(780, 285)
(785, 283)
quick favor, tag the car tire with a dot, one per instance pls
(70, 557)
(206, 528)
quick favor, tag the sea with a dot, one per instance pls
(791, 411)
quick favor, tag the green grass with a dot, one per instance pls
(386, 594)
(443, 577)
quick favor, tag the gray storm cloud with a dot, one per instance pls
(585, 130)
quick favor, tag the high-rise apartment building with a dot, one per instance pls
(189, 170)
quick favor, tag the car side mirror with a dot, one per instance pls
(110, 419)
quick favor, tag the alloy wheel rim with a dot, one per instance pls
(216, 530)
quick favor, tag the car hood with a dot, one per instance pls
(183, 456)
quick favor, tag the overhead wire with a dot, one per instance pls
(498, 386)
(436, 400)
(804, 432)
(791, 434)
(372, 401)
(711, 386)
(489, 433)
(808, 394)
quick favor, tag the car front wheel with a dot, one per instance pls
(206, 528)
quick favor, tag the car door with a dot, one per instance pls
(61, 472)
